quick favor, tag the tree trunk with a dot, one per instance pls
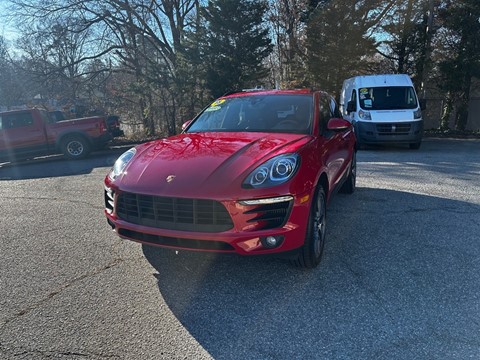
(405, 32)
(447, 108)
(461, 117)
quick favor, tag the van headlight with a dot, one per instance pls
(121, 163)
(417, 114)
(273, 172)
(364, 115)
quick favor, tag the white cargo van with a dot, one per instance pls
(383, 109)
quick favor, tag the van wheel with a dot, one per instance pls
(415, 146)
(311, 252)
(75, 147)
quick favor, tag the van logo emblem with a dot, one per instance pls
(170, 178)
(394, 128)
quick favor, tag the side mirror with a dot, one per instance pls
(423, 104)
(185, 124)
(351, 106)
(338, 124)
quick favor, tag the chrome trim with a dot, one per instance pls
(266, 201)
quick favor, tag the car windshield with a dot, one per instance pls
(258, 113)
(387, 98)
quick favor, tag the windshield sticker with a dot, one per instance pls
(218, 102)
(364, 91)
(368, 103)
(213, 108)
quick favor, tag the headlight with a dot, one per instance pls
(273, 172)
(364, 115)
(121, 163)
(417, 114)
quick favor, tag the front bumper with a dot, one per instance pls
(246, 235)
(368, 132)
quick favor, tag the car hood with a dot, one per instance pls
(203, 164)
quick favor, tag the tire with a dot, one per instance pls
(311, 252)
(349, 185)
(415, 146)
(75, 147)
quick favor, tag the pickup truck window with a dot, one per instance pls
(47, 119)
(16, 120)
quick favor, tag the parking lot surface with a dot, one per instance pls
(399, 278)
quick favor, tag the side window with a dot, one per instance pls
(46, 118)
(17, 120)
(1, 127)
(354, 96)
(325, 113)
(334, 108)
(353, 99)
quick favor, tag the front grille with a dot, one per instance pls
(393, 129)
(270, 216)
(173, 213)
(176, 242)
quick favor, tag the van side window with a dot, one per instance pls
(353, 99)
(17, 120)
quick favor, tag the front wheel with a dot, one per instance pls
(75, 147)
(312, 250)
(415, 145)
(349, 185)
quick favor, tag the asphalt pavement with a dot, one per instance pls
(399, 278)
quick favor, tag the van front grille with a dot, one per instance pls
(393, 129)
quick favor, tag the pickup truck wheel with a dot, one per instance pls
(311, 252)
(75, 147)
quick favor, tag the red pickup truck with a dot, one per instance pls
(29, 133)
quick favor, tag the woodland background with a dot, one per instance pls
(156, 63)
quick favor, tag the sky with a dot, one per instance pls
(6, 29)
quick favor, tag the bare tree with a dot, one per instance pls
(12, 88)
(143, 38)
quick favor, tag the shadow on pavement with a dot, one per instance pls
(57, 165)
(399, 279)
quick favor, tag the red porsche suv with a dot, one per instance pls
(251, 174)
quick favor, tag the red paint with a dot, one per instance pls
(213, 165)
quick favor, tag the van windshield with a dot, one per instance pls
(387, 98)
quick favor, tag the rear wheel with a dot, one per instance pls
(312, 250)
(75, 147)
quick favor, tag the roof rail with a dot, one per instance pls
(256, 88)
